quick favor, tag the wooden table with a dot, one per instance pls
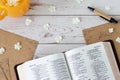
(60, 22)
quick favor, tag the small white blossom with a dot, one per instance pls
(107, 8)
(58, 39)
(111, 30)
(76, 20)
(118, 39)
(79, 1)
(2, 50)
(17, 46)
(52, 9)
(46, 26)
(28, 22)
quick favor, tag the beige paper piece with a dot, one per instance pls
(15, 57)
(4, 69)
(101, 33)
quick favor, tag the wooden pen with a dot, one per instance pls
(103, 15)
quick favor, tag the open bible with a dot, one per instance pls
(92, 62)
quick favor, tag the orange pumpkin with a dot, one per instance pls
(13, 11)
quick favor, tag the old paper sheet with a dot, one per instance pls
(12, 57)
(101, 33)
(4, 69)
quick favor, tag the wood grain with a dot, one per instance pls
(59, 25)
(71, 7)
(47, 49)
(60, 22)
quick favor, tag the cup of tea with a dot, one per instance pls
(13, 10)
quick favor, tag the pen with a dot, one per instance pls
(103, 15)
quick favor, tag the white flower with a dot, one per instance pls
(76, 20)
(111, 30)
(28, 22)
(52, 9)
(58, 39)
(46, 26)
(107, 8)
(118, 39)
(17, 46)
(2, 50)
(79, 1)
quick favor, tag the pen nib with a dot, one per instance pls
(92, 9)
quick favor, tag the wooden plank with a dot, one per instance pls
(59, 25)
(48, 49)
(71, 7)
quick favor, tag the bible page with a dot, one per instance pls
(89, 63)
(52, 67)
